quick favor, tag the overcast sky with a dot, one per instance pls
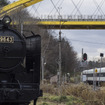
(93, 41)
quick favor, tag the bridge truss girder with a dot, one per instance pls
(72, 24)
(15, 6)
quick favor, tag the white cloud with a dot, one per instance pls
(101, 50)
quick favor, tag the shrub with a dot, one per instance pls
(69, 103)
(85, 93)
(54, 98)
(63, 99)
(44, 103)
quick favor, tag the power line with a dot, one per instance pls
(35, 9)
(99, 6)
(55, 7)
(79, 6)
(76, 6)
(87, 42)
(60, 5)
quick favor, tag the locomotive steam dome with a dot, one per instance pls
(12, 49)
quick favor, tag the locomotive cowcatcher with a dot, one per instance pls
(19, 66)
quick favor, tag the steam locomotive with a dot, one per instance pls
(19, 66)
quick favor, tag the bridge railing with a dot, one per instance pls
(71, 18)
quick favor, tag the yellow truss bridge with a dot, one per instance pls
(73, 22)
(59, 22)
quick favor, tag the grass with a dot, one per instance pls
(49, 99)
(73, 94)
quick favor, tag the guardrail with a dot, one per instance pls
(71, 18)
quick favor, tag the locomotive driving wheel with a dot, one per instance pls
(35, 100)
(9, 103)
(14, 104)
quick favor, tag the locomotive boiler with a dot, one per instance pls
(19, 66)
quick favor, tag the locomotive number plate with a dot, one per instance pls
(6, 39)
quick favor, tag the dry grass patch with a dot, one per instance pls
(83, 91)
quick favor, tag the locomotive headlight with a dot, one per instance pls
(6, 20)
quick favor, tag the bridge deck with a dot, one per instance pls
(72, 24)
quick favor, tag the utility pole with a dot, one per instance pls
(74, 77)
(42, 70)
(60, 61)
(101, 55)
(94, 74)
(60, 57)
(94, 79)
(21, 28)
(82, 54)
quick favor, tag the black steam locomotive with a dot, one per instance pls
(19, 66)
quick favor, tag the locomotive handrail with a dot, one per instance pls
(72, 18)
(15, 6)
(24, 86)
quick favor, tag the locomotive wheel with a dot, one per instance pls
(9, 103)
(14, 104)
(35, 101)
